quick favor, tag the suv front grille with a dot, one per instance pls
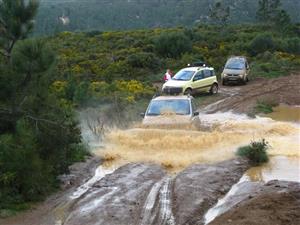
(232, 75)
(172, 90)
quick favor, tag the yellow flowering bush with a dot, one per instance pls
(59, 88)
(99, 88)
(134, 87)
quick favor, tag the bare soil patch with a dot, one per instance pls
(243, 99)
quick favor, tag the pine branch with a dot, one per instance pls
(36, 119)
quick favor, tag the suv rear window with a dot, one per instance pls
(176, 106)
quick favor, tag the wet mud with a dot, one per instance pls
(242, 99)
(147, 194)
(276, 202)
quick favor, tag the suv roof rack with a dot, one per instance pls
(197, 64)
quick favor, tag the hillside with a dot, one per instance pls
(85, 15)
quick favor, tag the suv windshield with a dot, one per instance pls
(174, 106)
(235, 64)
(184, 75)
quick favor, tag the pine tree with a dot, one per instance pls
(268, 10)
(16, 22)
(220, 14)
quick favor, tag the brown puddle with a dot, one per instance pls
(279, 168)
(285, 113)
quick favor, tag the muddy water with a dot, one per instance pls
(220, 136)
(285, 113)
(279, 167)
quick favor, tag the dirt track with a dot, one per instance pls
(146, 194)
(242, 99)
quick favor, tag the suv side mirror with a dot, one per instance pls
(196, 113)
(142, 114)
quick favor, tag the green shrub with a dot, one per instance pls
(261, 43)
(256, 152)
(144, 60)
(172, 45)
(292, 45)
(265, 106)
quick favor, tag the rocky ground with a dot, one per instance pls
(274, 203)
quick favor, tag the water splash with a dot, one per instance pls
(220, 136)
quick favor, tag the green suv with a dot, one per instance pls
(191, 80)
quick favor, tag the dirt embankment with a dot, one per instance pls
(44, 213)
(275, 203)
(144, 194)
(243, 99)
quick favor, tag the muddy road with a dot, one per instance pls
(189, 177)
(242, 99)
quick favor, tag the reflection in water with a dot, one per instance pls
(279, 168)
(223, 133)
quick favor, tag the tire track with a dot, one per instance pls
(157, 209)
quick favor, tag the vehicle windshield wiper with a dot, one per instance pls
(181, 114)
(233, 68)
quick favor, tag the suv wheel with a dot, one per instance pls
(244, 81)
(214, 89)
(188, 91)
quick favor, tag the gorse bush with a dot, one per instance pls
(173, 44)
(144, 60)
(256, 152)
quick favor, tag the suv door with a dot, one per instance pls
(197, 80)
(208, 80)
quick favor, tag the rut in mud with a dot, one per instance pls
(146, 194)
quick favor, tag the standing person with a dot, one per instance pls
(168, 75)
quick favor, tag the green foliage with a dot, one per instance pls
(220, 13)
(39, 136)
(16, 22)
(256, 152)
(262, 43)
(292, 45)
(265, 106)
(172, 45)
(107, 15)
(89, 66)
(144, 60)
(269, 11)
